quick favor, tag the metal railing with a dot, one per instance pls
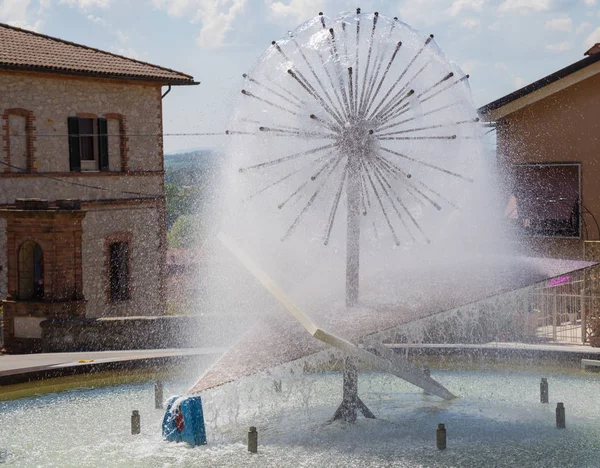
(563, 307)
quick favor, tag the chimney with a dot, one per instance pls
(594, 49)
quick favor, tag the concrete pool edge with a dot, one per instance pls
(146, 365)
(501, 350)
(31, 379)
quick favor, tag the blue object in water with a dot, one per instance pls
(184, 421)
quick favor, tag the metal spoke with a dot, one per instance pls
(382, 102)
(314, 73)
(339, 73)
(378, 197)
(285, 98)
(429, 127)
(385, 73)
(356, 59)
(310, 202)
(379, 63)
(387, 188)
(340, 110)
(454, 83)
(305, 183)
(426, 164)
(387, 127)
(336, 202)
(438, 137)
(286, 158)
(311, 91)
(299, 133)
(405, 176)
(364, 84)
(394, 100)
(266, 101)
(404, 207)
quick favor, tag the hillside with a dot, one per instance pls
(191, 168)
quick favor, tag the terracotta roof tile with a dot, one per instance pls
(26, 50)
(593, 50)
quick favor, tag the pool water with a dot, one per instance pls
(497, 421)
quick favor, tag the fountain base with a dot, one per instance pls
(350, 400)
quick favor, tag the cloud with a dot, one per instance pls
(583, 27)
(424, 12)
(459, 5)
(129, 52)
(215, 16)
(123, 38)
(501, 66)
(559, 24)
(520, 82)
(15, 13)
(213, 31)
(85, 4)
(470, 65)
(592, 38)
(559, 47)
(295, 9)
(97, 20)
(470, 23)
(589, 2)
(524, 6)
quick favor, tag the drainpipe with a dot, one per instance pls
(166, 92)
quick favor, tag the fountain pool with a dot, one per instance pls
(498, 421)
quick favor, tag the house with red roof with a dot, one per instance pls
(82, 206)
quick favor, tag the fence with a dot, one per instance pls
(561, 308)
(567, 308)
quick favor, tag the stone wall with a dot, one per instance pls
(141, 225)
(3, 260)
(52, 99)
(128, 199)
(65, 335)
(133, 112)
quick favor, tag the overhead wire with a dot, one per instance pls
(79, 184)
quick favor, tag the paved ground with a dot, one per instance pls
(21, 363)
(12, 364)
(508, 346)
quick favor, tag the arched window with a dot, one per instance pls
(31, 271)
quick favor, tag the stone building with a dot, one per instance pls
(82, 208)
(548, 146)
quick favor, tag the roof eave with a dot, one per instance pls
(494, 106)
(148, 79)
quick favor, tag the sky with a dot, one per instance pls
(502, 44)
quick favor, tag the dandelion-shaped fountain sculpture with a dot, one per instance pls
(362, 108)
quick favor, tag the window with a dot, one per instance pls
(88, 144)
(31, 271)
(119, 271)
(18, 126)
(545, 199)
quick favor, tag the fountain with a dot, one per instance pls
(357, 216)
(360, 114)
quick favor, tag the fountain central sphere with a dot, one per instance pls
(361, 85)
(356, 138)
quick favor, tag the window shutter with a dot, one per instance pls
(103, 144)
(74, 150)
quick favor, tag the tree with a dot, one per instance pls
(186, 233)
